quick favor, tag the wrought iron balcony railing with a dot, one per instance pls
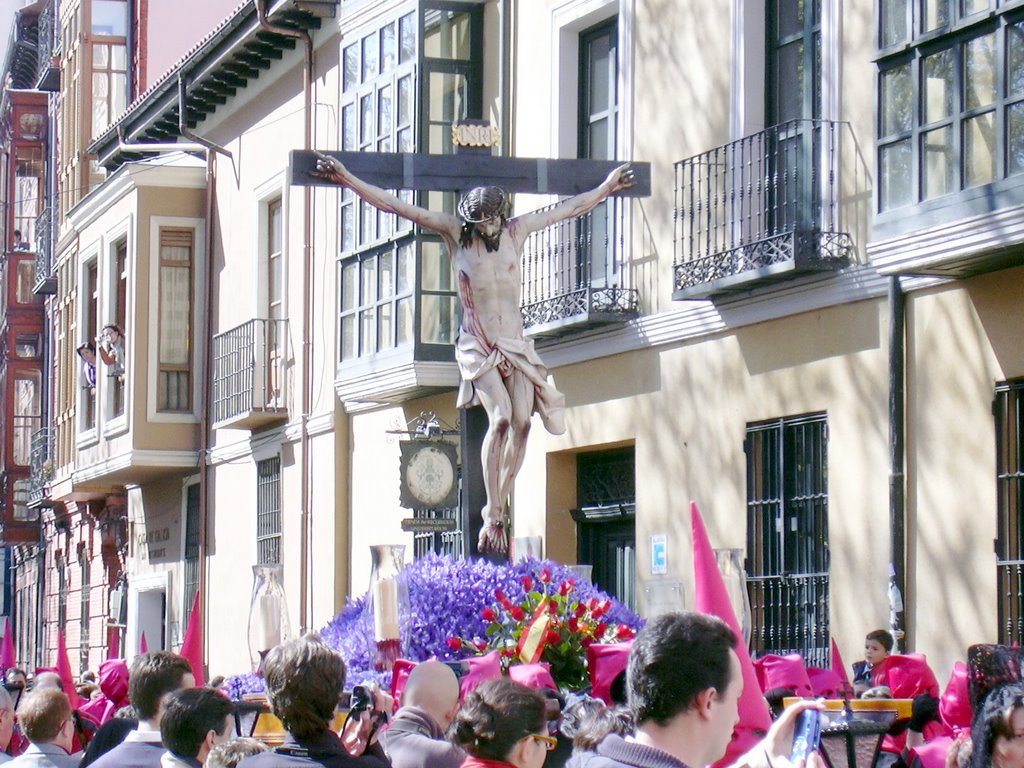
(47, 71)
(576, 273)
(45, 281)
(789, 614)
(250, 365)
(759, 209)
(40, 466)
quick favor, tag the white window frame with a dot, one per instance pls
(117, 425)
(198, 226)
(272, 189)
(86, 437)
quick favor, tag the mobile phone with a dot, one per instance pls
(806, 735)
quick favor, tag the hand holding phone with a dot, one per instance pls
(806, 735)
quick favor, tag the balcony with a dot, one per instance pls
(48, 68)
(759, 210)
(250, 374)
(45, 281)
(40, 467)
(575, 274)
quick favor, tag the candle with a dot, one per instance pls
(268, 622)
(385, 609)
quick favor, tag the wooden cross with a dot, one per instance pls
(460, 173)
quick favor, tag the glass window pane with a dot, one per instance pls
(436, 271)
(405, 100)
(348, 228)
(405, 140)
(599, 137)
(404, 322)
(975, 6)
(897, 175)
(1015, 139)
(348, 337)
(979, 149)
(368, 217)
(790, 18)
(937, 148)
(1015, 59)
(935, 14)
(368, 331)
(370, 60)
(349, 285)
(366, 119)
(385, 326)
(388, 48)
(351, 57)
(894, 22)
(348, 127)
(445, 35)
(600, 85)
(897, 100)
(938, 86)
(387, 276)
(790, 63)
(101, 56)
(447, 97)
(980, 71)
(406, 38)
(404, 277)
(384, 111)
(368, 282)
(119, 57)
(110, 18)
(437, 324)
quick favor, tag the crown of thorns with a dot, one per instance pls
(483, 203)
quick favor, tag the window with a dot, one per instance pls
(273, 374)
(27, 413)
(174, 382)
(1009, 418)
(27, 345)
(109, 62)
(83, 564)
(29, 178)
(951, 99)
(24, 279)
(191, 581)
(62, 591)
(120, 264)
(268, 511)
(22, 512)
(90, 329)
(377, 301)
(787, 537)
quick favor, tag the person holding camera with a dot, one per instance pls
(416, 738)
(304, 678)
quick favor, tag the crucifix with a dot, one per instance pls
(500, 369)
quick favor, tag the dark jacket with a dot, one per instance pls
(414, 740)
(326, 750)
(616, 752)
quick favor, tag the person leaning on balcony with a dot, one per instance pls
(46, 719)
(151, 678)
(304, 680)
(429, 703)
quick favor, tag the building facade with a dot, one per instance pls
(809, 327)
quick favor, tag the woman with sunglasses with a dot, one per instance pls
(503, 724)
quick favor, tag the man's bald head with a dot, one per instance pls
(47, 680)
(433, 688)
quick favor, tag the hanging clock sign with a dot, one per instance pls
(428, 474)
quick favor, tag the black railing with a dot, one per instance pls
(577, 269)
(789, 614)
(40, 465)
(764, 200)
(45, 281)
(249, 373)
(1010, 574)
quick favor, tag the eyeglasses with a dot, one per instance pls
(549, 742)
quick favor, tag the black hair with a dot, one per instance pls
(151, 677)
(304, 678)
(675, 657)
(189, 715)
(883, 638)
(495, 715)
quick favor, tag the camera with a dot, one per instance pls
(360, 700)
(806, 735)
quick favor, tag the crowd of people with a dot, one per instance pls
(674, 705)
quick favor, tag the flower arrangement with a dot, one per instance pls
(548, 624)
(447, 598)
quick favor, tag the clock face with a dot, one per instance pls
(429, 476)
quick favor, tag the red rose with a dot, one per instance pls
(480, 645)
(527, 583)
(606, 605)
(573, 624)
(516, 613)
(552, 637)
(579, 610)
(488, 614)
(508, 653)
(622, 632)
(565, 587)
(586, 642)
(552, 607)
(592, 604)
(600, 629)
(454, 643)
(545, 575)
(500, 597)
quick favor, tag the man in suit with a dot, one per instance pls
(45, 717)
